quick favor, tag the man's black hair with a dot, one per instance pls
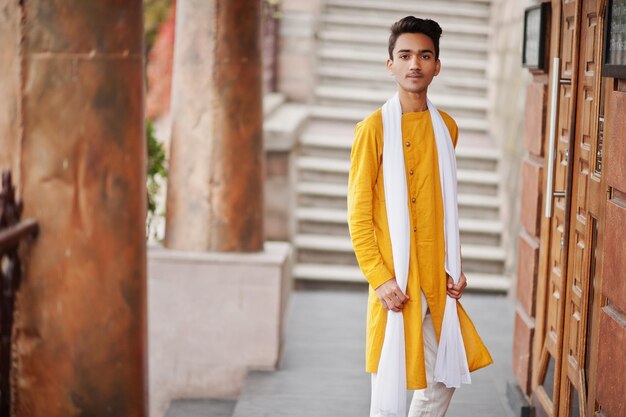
(412, 24)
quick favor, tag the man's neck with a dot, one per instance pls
(412, 102)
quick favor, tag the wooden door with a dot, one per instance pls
(568, 301)
(555, 229)
(586, 217)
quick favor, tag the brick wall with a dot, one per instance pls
(507, 91)
(517, 123)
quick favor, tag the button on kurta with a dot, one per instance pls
(408, 144)
(411, 172)
(413, 200)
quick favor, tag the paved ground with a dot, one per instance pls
(321, 373)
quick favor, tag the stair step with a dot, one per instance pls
(323, 164)
(378, 97)
(352, 274)
(315, 214)
(339, 216)
(323, 243)
(378, 39)
(380, 57)
(408, 8)
(327, 243)
(283, 127)
(356, 115)
(310, 163)
(271, 102)
(328, 195)
(383, 22)
(473, 200)
(322, 189)
(380, 76)
(339, 142)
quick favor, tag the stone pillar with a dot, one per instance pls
(215, 189)
(80, 328)
(298, 49)
(10, 16)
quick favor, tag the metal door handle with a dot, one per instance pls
(554, 101)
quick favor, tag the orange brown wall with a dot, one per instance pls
(528, 238)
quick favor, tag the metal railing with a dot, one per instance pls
(12, 232)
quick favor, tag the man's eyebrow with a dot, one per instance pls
(420, 51)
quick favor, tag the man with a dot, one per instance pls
(413, 62)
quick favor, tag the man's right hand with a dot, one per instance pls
(391, 296)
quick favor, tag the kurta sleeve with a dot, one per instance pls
(454, 133)
(364, 164)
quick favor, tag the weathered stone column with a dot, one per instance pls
(215, 189)
(80, 329)
(10, 17)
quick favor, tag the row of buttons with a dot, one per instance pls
(411, 172)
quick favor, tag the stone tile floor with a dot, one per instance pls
(321, 372)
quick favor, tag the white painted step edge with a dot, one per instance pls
(352, 274)
(318, 140)
(478, 10)
(338, 216)
(341, 191)
(327, 243)
(309, 163)
(356, 115)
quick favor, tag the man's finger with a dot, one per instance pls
(455, 296)
(397, 301)
(395, 308)
(401, 296)
(454, 293)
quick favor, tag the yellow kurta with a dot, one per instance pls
(370, 236)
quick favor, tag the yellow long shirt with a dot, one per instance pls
(367, 218)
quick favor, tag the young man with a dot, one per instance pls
(396, 220)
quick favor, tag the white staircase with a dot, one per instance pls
(351, 83)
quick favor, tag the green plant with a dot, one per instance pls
(156, 171)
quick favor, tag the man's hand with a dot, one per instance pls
(456, 291)
(391, 296)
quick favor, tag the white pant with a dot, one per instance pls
(433, 401)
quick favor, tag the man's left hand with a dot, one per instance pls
(456, 291)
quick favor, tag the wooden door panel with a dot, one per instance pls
(616, 145)
(568, 36)
(611, 341)
(547, 382)
(611, 389)
(573, 392)
(614, 283)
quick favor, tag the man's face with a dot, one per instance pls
(414, 64)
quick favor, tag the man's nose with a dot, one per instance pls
(414, 63)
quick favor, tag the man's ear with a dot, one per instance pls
(389, 64)
(437, 67)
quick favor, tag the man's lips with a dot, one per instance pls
(415, 76)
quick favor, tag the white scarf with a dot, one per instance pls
(389, 383)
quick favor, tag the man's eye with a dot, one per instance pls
(404, 56)
(425, 56)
